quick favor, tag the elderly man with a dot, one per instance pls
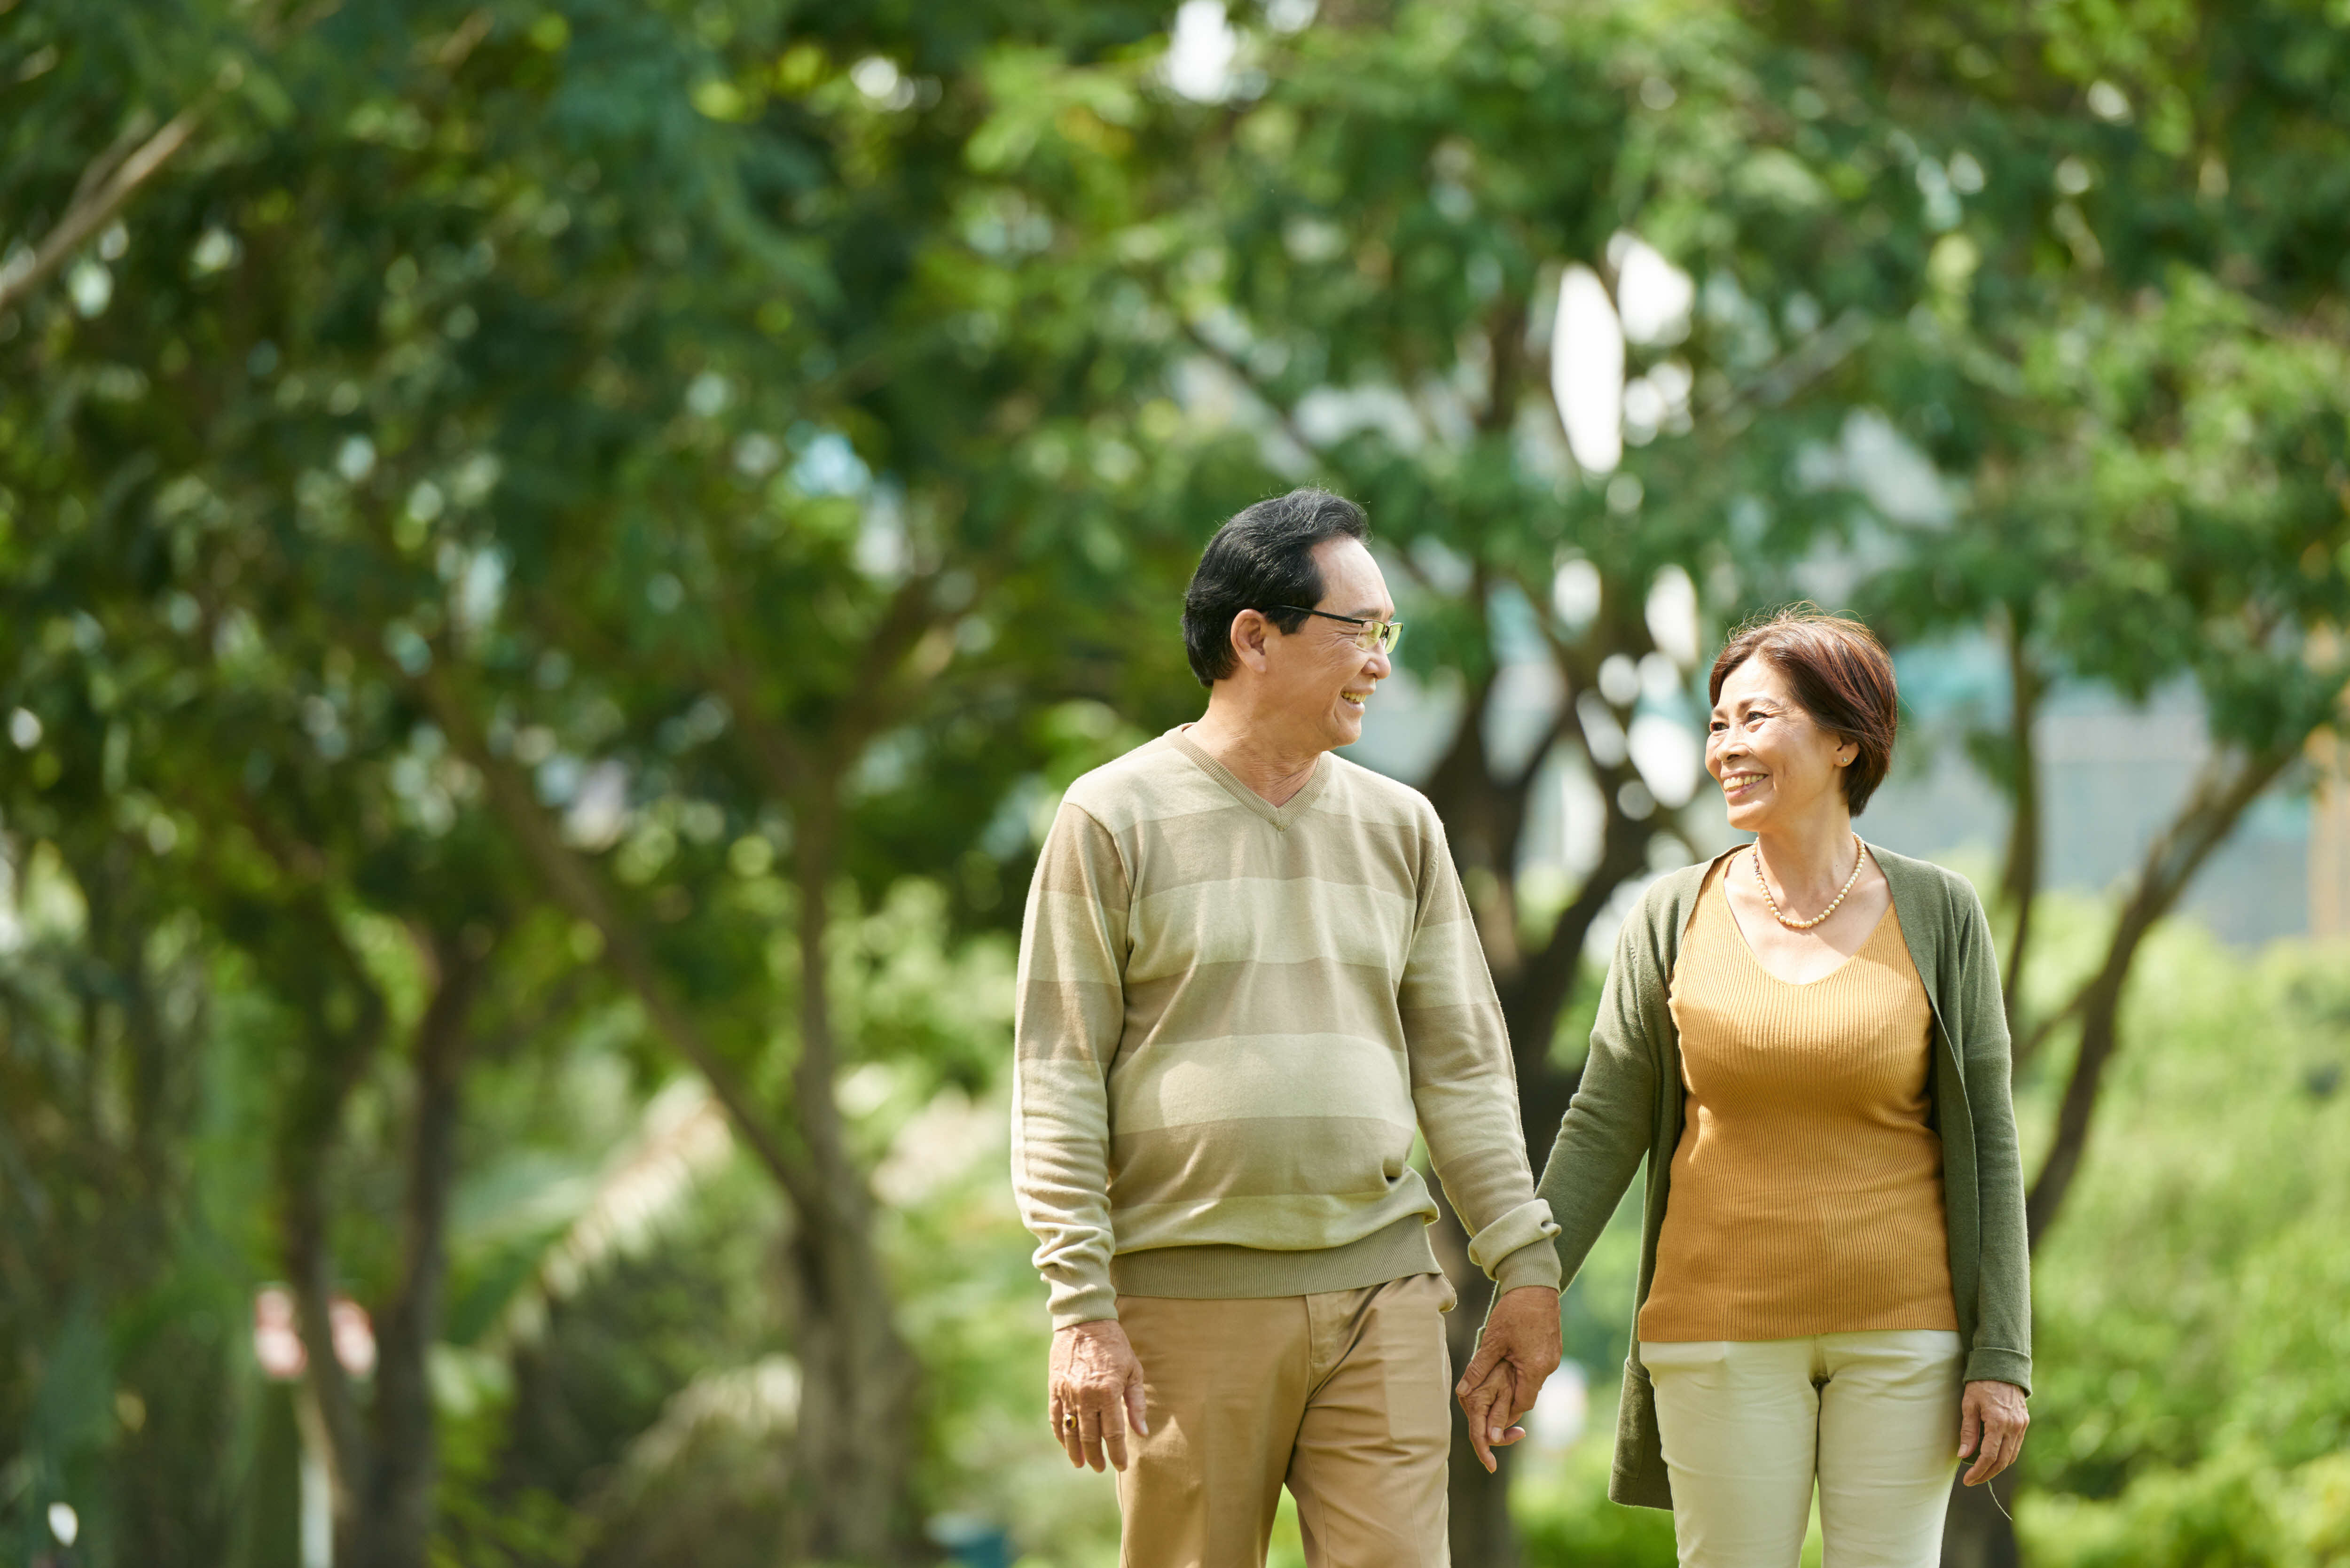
(1248, 976)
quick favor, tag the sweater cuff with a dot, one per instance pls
(1988, 1364)
(1088, 1303)
(1536, 1263)
(1515, 1231)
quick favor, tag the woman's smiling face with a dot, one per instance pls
(1773, 762)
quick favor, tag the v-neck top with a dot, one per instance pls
(1282, 816)
(1806, 1194)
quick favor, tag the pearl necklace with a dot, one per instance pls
(1858, 858)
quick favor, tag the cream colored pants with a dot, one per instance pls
(1747, 1429)
(1344, 1396)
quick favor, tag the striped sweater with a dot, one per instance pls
(1232, 1018)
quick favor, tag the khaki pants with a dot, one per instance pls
(1747, 1427)
(1345, 1396)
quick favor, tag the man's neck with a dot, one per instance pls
(1257, 755)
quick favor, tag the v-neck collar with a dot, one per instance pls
(1281, 815)
(1738, 933)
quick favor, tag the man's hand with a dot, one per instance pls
(1515, 1356)
(1991, 1418)
(1096, 1391)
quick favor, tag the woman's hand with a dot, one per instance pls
(1991, 1420)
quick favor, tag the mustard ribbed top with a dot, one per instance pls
(1806, 1191)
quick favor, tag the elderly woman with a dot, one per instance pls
(1804, 1038)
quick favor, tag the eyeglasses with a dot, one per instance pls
(1382, 634)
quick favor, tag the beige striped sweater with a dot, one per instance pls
(1232, 1018)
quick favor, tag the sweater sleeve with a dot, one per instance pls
(2002, 1342)
(1606, 1131)
(1464, 1087)
(1070, 1011)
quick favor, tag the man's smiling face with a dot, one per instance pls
(1323, 679)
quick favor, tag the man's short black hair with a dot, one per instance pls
(1262, 557)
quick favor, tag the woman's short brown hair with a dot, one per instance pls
(1840, 675)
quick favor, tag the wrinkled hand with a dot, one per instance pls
(1515, 1356)
(1097, 1392)
(1992, 1419)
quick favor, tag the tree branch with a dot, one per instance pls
(575, 887)
(96, 203)
(877, 696)
(1547, 978)
(1505, 355)
(2019, 881)
(1243, 374)
(2227, 786)
(1810, 360)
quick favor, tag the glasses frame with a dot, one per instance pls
(1380, 635)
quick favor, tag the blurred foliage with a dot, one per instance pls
(1564, 1516)
(2195, 1408)
(555, 559)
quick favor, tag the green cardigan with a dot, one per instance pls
(1620, 1117)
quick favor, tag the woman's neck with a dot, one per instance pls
(1809, 860)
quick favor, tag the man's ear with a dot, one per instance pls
(1248, 635)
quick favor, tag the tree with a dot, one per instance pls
(509, 514)
(466, 461)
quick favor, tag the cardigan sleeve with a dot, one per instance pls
(1607, 1126)
(2002, 1350)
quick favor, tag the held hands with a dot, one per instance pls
(1097, 1392)
(1515, 1354)
(1992, 1419)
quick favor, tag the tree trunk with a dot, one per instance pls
(1480, 1527)
(859, 1381)
(858, 1378)
(1534, 996)
(1484, 813)
(2019, 882)
(332, 1064)
(398, 1502)
(2210, 813)
(857, 1436)
(575, 887)
(1978, 1533)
